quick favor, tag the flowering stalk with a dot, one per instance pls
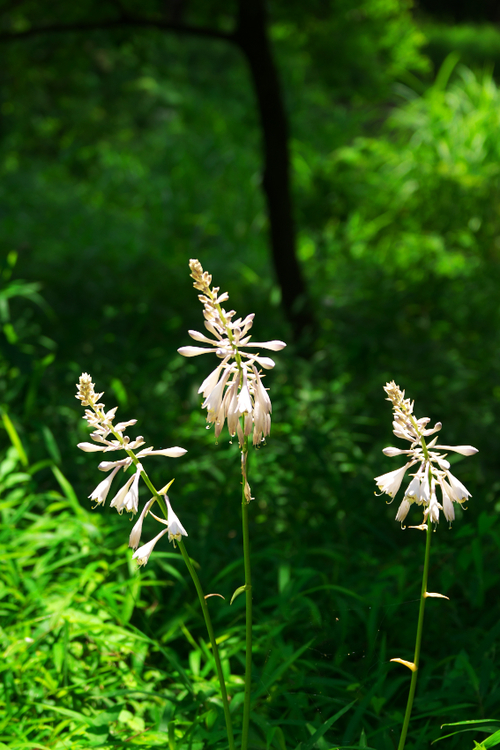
(213, 642)
(128, 498)
(418, 640)
(248, 599)
(432, 471)
(234, 392)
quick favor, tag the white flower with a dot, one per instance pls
(90, 447)
(100, 493)
(213, 400)
(174, 452)
(391, 482)
(131, 499)
(104, 429)
(403, 510)
(458, 493)
(432, 510)
(135, 534)
(425, 492)
(143, 553)
(448, 509)
(175, 527)
(433, 469)
(122, 463)
(413, 491)
(118, 501)
(465, 450)
(393, 452)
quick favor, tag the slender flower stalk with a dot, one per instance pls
(127, 498)
(234, 394)
(245, 499)
(432, 471)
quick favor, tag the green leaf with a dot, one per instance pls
(238, 591)
(493, 740)
(14, 438)
(324, 728)
(479, 725)
(278, 672)
(171, 735)
(69, 492)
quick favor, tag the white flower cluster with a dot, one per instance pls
(433, 468)
(234, 389)
(109, 437)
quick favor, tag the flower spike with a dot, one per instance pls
(110, 437)
(433, 468)
(234, 390)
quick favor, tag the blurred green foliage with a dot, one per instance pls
(478, 45)
(118, 164)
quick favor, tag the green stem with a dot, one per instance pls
(248, 596)
(420, 628)
(204, 606)
(211, 635)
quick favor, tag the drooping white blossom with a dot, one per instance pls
(433, 468)
(390, 483)
(100, 493)
(135, 534)
(175, 527)
(143, 554)
(118, 501)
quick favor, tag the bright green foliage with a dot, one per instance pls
(357, 50)
(419, 202)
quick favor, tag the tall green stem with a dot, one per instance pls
(204, 606)
(248, 597)
(211, 635)
(420, 628)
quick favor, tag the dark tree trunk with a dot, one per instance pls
(251, 36)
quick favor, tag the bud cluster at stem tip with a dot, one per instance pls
(433, 470)
(234, 390)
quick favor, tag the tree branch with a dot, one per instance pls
(118, 23)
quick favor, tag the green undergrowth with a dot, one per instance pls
(98, 654)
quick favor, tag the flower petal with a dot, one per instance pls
(197, 336)
(174, 452)
(175, 527)
(274, 346)
(142, 555)
(465, 450)
(193, 351)
(90, 447)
